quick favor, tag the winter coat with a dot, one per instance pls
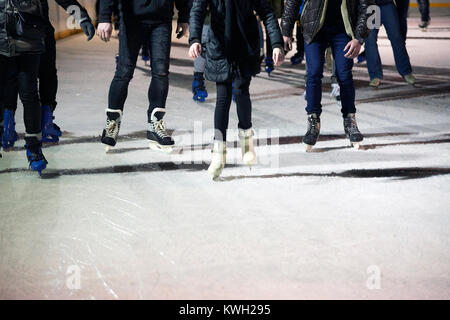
(354, 15)
(220, 66)
(21, 35)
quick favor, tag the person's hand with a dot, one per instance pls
(195, 50)
(353, 48)
(182, 30)
(88, 28)
(287, 43)
(104, 31)
(278, 57)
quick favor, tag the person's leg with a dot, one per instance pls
(10, 97)
(373, 59)
(222, 111)
(48, 77)
(130, 41)
(160, 45)
(402, 11)
(315, 58)
(344, 73)
(243, 101)
(3, 70)
(424, 8)
(389, 19)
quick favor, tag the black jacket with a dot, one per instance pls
(145, 10)
(354, 16)
(219, 63)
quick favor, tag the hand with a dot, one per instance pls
(104, 31)
(182, 30)
(195, 50)
(88, 28)
(278, 57)
(287, 43)
(353, 47)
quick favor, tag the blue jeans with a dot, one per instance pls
(390, 20)
(315, 59)
(402, 10)
(424, 8)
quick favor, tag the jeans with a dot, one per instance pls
(402, 10)
(389, 18)
(26, 67)
(225, 91)
(315, 58)
(424, 8)
(131, 38)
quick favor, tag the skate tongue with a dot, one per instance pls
(113, 115)
(158, 115)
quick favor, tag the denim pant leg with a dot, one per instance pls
(424, 8)
(402, 11)
(389, 18)
(130, 42)
(344, 74)
(160, 43)
(315, 58)
(3, 70)
(48, 75)
(373, 56)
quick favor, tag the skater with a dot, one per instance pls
(48, 79)
(232, 54)
(402, 11)
(341, 25)
(390, 20)
(278, 7)
(424, 8)
(141, 20)
(298, 57)
(198, 84)
(22, 52)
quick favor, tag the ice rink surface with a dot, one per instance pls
(334, 223)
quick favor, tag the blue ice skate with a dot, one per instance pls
(296, 59)
(36, 158)
(198, 87)
(50, 131)
(9, 130)
(269, 65)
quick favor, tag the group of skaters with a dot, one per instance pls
(226, 43)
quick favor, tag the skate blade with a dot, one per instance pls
(249, 159)
(308, 148)
(157, 147)
(108, 149)
(356, 145)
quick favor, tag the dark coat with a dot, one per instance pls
(219, 64)
(314, 11)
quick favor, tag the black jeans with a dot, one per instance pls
(240, 88)
(48, 78)
(131, 39)
(424, 8)
(402, 9)
(26, 67)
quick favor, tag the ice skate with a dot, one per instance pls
(219, 158)
(160, 140)
(269, 65)
(36, 159)
(9, 130)
(352, 132)
(112, 128)
(247, 147)
(336, 92)
(296, 59)
(146, 59)
(50, 131)
(424, 26)
(410, 79)
(313, 132)
(198, 87)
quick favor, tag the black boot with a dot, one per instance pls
(313, 132)
(351, 130)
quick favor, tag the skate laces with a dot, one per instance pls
(313, 125)
(352, 126)
(112, 128)
(159, 127)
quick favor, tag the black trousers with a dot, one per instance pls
(26, 67)
(131, 38)
(48, 77)
(225, 90)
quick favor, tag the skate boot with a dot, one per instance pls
(269, 65)
(50, 132)
(112, 128)
(351, 130)
(146, 59)
(424, 25)
(35, 156)
(159, 138)
(198, 87)
(296, 59)
(219, 158)
(9, 130)
(311, 136)
(336, 92)
(247, 147)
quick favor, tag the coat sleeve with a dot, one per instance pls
(84, 16)
(196, 21)
(361, 30)
(265, 12)
(107, 8)
(183, 10)
(290, 15)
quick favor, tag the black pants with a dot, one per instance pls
(300, 41)
(131, 39)
(26, 68)
(48, 77)
(225, 90)
(402, 9)
(424, 8)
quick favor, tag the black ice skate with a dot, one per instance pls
(351, 130)
(112, 128)
(313, 132)
(159, 138)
